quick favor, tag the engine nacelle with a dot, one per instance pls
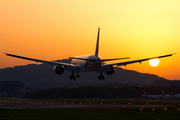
(110, 72)
(59, 69)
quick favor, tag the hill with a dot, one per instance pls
(43, 76)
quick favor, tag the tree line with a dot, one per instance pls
(10, 86)
(96, 92)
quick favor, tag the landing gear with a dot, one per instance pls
(73, 76)
(101, 76)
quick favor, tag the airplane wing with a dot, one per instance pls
(107, 66)
(67, 66)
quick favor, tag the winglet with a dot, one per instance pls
(97, 44)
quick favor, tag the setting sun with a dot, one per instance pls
(58, 29)
(154, 62)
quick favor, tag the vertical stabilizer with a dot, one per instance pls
(162, 91)
(97, 44)
(144, 92)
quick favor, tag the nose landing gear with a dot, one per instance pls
(101, 76)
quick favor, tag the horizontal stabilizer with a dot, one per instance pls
(85, 59)
(114, 59)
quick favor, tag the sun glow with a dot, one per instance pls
(154, 62)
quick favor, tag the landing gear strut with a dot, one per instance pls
(72, 76)
(101, 76)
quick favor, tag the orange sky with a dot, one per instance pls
(57, 29)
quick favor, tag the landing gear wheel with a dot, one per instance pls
(102, 77)
(99, 77)
(72, 77)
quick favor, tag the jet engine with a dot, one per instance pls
(111, 71)
(59, 69)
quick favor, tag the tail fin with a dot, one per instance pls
(97, 44)
(144, 92)
(171, 92)
(162, 91)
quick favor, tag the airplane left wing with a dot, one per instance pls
(106, 66)
(67, 66)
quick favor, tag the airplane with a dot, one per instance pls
(166, 96)
(88, 63)
(176, 96)
(156, 97)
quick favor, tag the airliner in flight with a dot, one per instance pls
(88, 63)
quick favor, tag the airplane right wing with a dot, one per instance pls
(107, 67)
(67, 66)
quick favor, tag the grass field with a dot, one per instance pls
(93, 114)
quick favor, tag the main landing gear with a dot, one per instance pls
(101, 76)
(73, 76)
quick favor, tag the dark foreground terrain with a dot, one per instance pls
(91, 114)
(97, 109)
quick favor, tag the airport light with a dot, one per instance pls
(140, 109)
(153, 109)
(72, 102)
(177, 108)
(90, 103)
(64, 102)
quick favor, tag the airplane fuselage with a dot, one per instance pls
(87, 66)
(153, 97)
(167, 96)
